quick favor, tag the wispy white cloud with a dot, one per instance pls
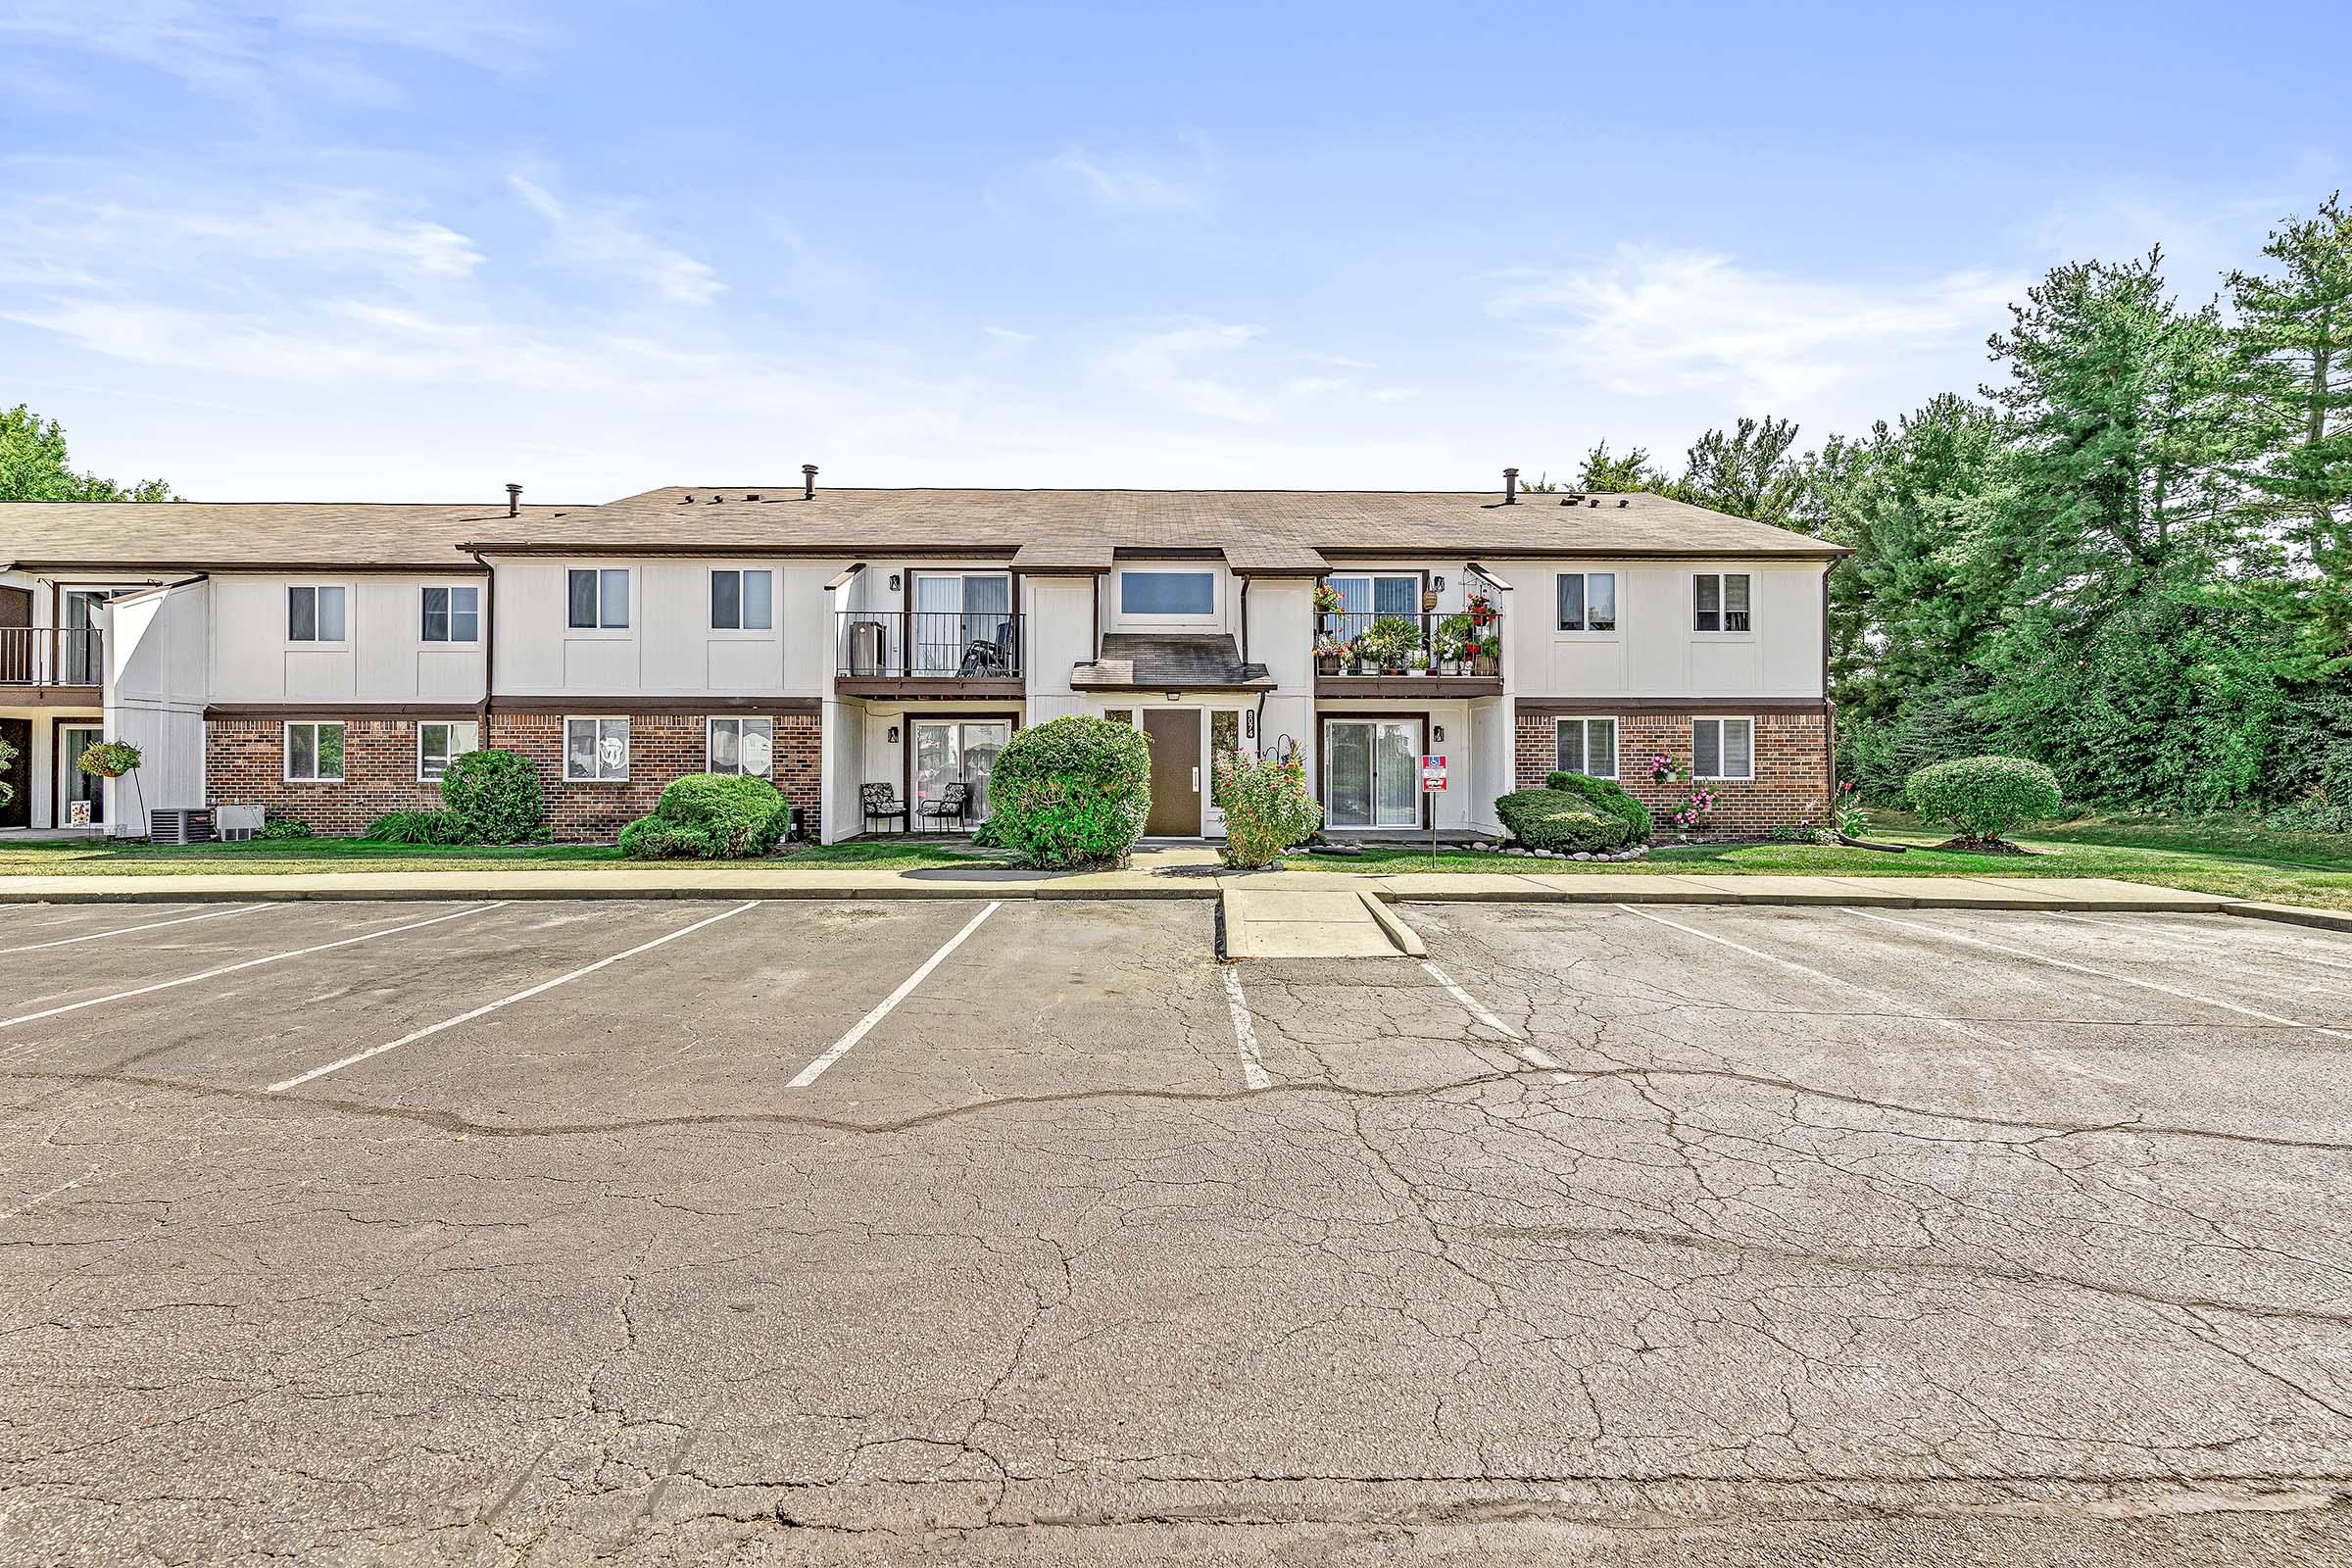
(75, 238)
(1653, 321)
(1166, 366)
(1127, 185)
(604, 234)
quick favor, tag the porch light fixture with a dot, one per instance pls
(1439, 583)
(1437, 734)
(894, 583)
(894, 734)
(1175, 696)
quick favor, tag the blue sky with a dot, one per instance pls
(334, 249)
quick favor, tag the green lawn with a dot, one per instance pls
(2202, 854)
(93, 857)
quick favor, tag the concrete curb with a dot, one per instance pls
(1408, 941)
(2291, 914)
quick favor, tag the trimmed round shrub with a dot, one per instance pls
(1073, 791)
(491, 796)
(1985, 797)
(1558, 819)
(1267, 807)
(412, 827)
(1606, 794)
(712, 816)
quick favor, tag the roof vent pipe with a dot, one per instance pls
(1511, 488)
(514, 501)
(808, 481)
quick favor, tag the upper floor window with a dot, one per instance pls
(453, 615)
(743, 601)
(1588, 601)
(1723, 748)
(600, 598)
(314, 615)
(1373, 596)
(1719, 601)
(1173, 595)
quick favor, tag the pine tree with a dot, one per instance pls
(1748, 474)
(1605, 473)
(2293, 364)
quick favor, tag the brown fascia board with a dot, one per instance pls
(866, 551)
(332, 708)
(457, 567)
(590, 707)
(1578, 553)
(1542, 706)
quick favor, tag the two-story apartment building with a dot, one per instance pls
(875, 649)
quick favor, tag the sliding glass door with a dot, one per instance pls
(959, 751)
(1371, 772)
(961, 623)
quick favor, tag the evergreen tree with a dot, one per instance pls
(1605, 473)
(2293, 364)
(1748, 474)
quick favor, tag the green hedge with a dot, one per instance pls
(1557, 819)
(1076, 791)
(1985, 797)
(710, 816)
(1609, 796)
(491, 796)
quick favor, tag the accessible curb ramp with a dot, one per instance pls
(1269, 923)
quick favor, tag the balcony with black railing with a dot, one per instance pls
(1368, 652)
(49, 656)
(912, 653)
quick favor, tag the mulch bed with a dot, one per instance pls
(1976, 846)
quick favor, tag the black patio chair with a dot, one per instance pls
(882, 804)
(982, 656)
(954, 803)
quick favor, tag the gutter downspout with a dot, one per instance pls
(489, 640)
(1243, 613)
(1829, 708)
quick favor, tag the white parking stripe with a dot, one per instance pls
(2141, 927)
(129, 930)
(2099, 974)
(249, 964)
(541, 988)
(1244, 1034)
(1891, 1004)
(1533, 1055)
(840, 1048)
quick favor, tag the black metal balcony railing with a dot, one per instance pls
(1457, 642)
(51, 655)
(901, 644)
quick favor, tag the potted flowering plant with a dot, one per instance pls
(1330, 649)
(1662, 770)
(1486, 652)
(1693, 813)
(1453, 643)
(1393, 642)
(1327, 600)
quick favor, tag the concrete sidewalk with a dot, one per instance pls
(1180, 882)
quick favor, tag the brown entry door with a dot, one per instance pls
(16, 809)
(1175, 736)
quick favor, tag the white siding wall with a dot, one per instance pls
(669, 649)
(384, 657)
(1654, 652)
(156, 689)
(1058, 615)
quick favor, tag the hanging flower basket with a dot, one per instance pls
(107, 758)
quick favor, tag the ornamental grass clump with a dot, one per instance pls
(1984, 797)
(1267, 807)
(710, 816)
(1073, 792)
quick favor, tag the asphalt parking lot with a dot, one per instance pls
(889, 1231)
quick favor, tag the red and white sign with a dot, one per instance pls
(1433, 775)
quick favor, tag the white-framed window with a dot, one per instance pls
(597, 598)
(1723, 748)
(440, 741)
(740, 746)
(1169, 595)
(1586, 601)
(1365, 597)
(743, 600)
(316, 615)
(595, 749)
(314, 753)
(452, 615)
(1719, 601)
(1588, 746)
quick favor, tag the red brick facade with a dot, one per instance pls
(1791, 766)
(245, 764)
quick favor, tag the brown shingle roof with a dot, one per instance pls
(1257, 530)
(1169, 661)
(1285, 525)
(199, 535)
